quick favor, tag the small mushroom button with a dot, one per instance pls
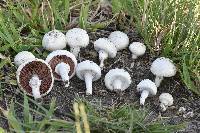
(166, 100)
(137, 49)
(22, 57)
(54, 40)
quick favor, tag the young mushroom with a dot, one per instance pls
(89, 72)
(105, 48)
(146, 87)
(35, 78)
(162, 67)
(54, 40)
(119, 39)
(137, 49)
(77, 38)
(166, 100)
(63, 65)
(22, 57)
(117, 80)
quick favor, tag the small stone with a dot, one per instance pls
(182, 110)
(188, 115)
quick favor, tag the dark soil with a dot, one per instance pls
(141, 70)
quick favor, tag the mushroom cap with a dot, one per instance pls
(105, 45)
(120, 74)
(166, 98)
(39, 67)
(54, 40)
(77, 37)
(59, 56)
(163, 67)
(137, 48)
(88, 66)
(22, 57)
(119, 39)
(148, 85)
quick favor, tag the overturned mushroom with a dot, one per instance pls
(89, 72)
(137, 49)
(54, 40)
(77, 38)
(63, 64)
(117, 80)
(105, 48)
(35, 78)
(22, 57)
(162, 67)
(119, 39)
(166, 100)
(146, 87)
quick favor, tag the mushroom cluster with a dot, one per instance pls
(36, 76)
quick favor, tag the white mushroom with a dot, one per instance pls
(89, 72)
(117, 80)
(166, 100)
(77, 38)
(162, 67)
(105, 48)
(119, 39)
(137, 49)
(63, 64)
(146, 87)
(54, 40)
(35, 78)
(22, 57)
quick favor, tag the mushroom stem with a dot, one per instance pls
(88, 81)
(117, 84)
(75, 50)
(35, 83)
(134, 56)
(158, 80)
(163, 107)
(143, 96)
(102, 56)
(63, 70)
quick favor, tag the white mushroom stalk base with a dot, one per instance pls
(134, 56)
(158, 80)
(102, 56)
(88, 81)
(117, 84)
(163, 107)
(143, 96)
(75, 51)
(35, 83)
(63, 70)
